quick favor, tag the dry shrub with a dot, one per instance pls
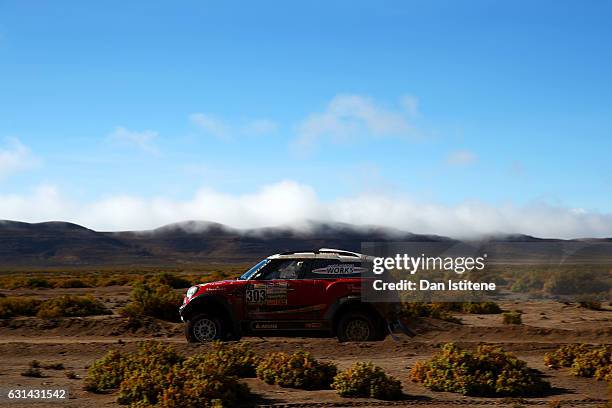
(153, 299)
(590, 304)
(18, 306)
(63, 306)
(576, 282)
(488, 371)
(174, 281)
(297, 370)
(233, 359)
(439, 311)
(71, 283)
(514, 317)
(157, 376)
(33, 372)
(71, 306)
(584, 360)
(480, 307)
(369, 381)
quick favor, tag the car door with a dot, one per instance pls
(331, 279)
(279, 292)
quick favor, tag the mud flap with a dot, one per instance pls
(391, 328)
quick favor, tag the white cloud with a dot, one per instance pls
(14, 157)
(210, 124)
(461, 158)
(144, 140)
(260, 127)
(290, 203)
(220, 129)
(347, 116)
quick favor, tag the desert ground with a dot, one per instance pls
(77, 342)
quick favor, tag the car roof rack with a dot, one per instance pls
(340, 252)
(305, 251)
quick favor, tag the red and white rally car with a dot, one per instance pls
(293, 293)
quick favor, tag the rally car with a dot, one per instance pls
(293, 293)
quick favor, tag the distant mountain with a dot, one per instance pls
(51, 244)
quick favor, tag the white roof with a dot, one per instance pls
(323, 253)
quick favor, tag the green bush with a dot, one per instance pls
(488, 371)
(70, 306)
(584, 360)
(156, 375)
(367, 380)
(153, 299)
(514, 317)
(297, 370)
(18, 306)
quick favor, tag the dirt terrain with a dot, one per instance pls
(77, 342)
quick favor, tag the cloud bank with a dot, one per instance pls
(288, 203)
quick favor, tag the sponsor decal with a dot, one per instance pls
(261, 326)
(339, 269)
(268, 293)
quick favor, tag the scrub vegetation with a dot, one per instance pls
(153, 298)
(297, 370)
(62, 306)
(92, 278)
(369, 381)
(157, 375)
(584, 360)
(444, 310)
(487, 371)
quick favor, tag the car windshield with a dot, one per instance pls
(248, 274)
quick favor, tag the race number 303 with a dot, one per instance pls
(256, 295)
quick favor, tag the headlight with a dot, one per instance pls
(192, 291)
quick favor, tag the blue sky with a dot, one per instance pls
(446, 108)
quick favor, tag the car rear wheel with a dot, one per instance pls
(203, 328)
(359, 327)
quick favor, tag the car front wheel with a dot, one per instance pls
(203, 328)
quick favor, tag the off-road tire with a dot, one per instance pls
(359, 326)
(202, 328)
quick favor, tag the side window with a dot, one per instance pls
(283, 269)
(333, 269)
